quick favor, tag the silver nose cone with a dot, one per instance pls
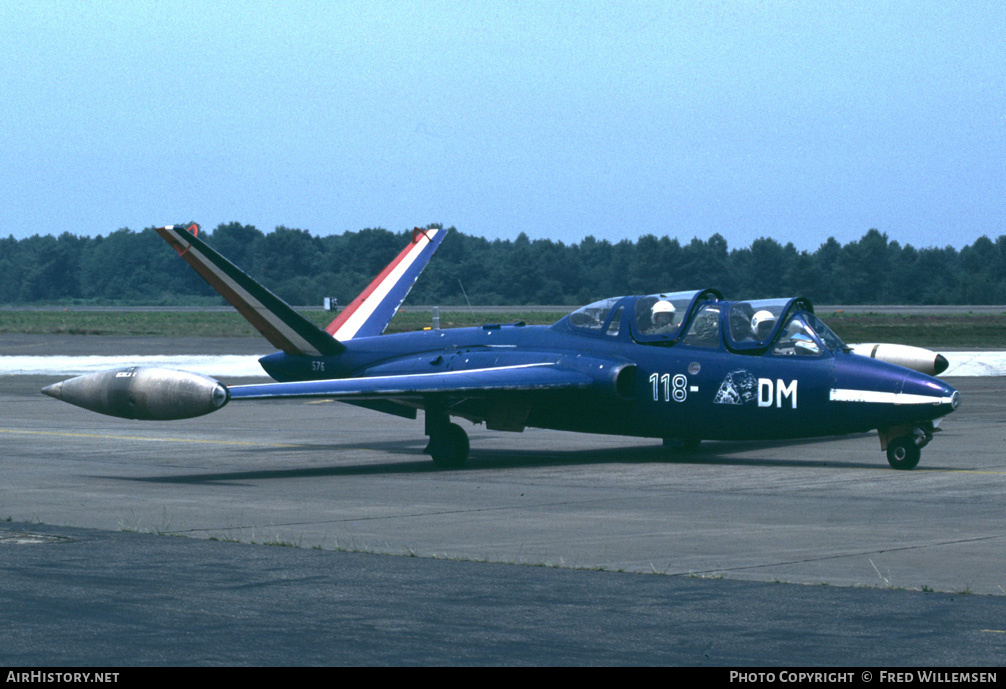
(54, 390)
(220, 396)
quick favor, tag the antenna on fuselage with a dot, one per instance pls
(466, 299)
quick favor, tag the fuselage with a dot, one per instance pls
(683, 366)
(657, 389)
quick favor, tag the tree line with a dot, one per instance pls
(127, 267)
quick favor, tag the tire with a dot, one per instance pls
(903, 453)
(450, 450)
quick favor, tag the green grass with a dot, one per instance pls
(413, 320)
(220, 323)
(154, 323)
(963, 330)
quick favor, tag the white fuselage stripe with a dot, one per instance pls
(286, 331)
(401, 377)
(875, 397)
(366, 309)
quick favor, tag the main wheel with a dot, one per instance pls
(449, 449)
(903, 453)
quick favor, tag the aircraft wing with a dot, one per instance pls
(470, 383)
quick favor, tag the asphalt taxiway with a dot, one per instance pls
(548, 548)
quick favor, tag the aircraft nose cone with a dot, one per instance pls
(54, 390)
(943, 395)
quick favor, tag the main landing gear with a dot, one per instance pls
(904, 451)
(448, 444)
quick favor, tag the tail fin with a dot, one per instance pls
(370, 313)
(285, 328)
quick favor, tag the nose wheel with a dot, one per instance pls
(904, 451)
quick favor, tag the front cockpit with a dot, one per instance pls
(763, 368)
(702, 318)
(782, 327)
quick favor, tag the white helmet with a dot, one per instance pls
(762, 323)
(662, 306)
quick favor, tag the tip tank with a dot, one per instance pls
(916, 358)
(143, 393)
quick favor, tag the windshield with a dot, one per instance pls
(797, 339)
(804, 335)
(827, 335)
(593, 316)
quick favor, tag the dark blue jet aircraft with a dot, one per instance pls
(681, 366)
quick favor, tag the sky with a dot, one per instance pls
(792, 120)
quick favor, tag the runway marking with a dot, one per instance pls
(144, 438)
(965, 471)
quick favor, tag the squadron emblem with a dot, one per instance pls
(739, 387)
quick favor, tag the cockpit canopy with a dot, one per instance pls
(660, 318)
(751, 324)
(701, 318)
(593, 316)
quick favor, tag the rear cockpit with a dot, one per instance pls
(701, 318)
(661, 318)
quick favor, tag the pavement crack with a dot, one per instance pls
(839, 556)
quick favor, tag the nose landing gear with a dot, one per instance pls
(905, 449)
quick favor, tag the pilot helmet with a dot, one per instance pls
(762, 323)
(662, 306)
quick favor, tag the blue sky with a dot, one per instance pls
(792, 120)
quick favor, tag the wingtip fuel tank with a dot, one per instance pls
(143, 393)
(916, 358)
